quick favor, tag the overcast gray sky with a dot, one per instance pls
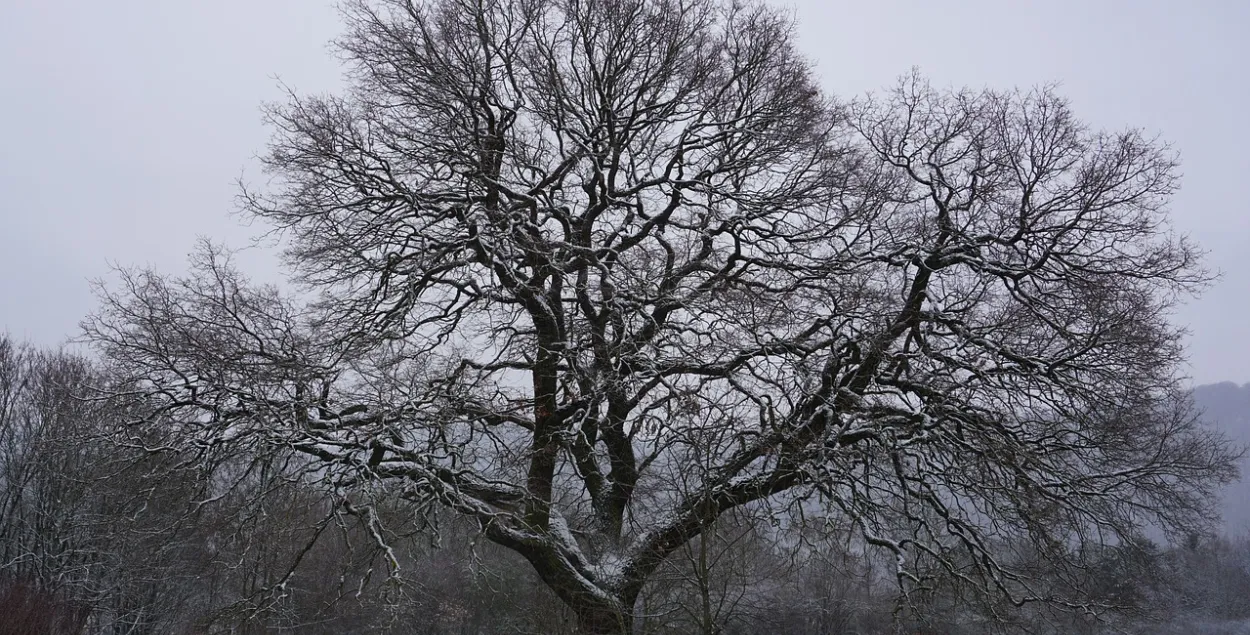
(126, 122)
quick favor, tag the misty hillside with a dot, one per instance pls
(1227, 406)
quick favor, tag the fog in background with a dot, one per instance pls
(126, 123)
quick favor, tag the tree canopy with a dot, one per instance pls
(592, 273)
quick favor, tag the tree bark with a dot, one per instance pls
(602, 620)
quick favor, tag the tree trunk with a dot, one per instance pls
(599, 620)
(599, 611)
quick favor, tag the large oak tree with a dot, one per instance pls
(593, 273)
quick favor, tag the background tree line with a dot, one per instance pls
(105, 533)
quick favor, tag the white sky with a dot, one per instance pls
(123, 124)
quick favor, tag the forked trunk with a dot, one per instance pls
(601, 620)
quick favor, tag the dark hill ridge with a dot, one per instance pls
(1227, 407)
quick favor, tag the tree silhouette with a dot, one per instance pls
(593, 273)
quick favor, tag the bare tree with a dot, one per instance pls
(555, 248)
(84, 528)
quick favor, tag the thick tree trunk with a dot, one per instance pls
(598, 611)
(600, 620)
